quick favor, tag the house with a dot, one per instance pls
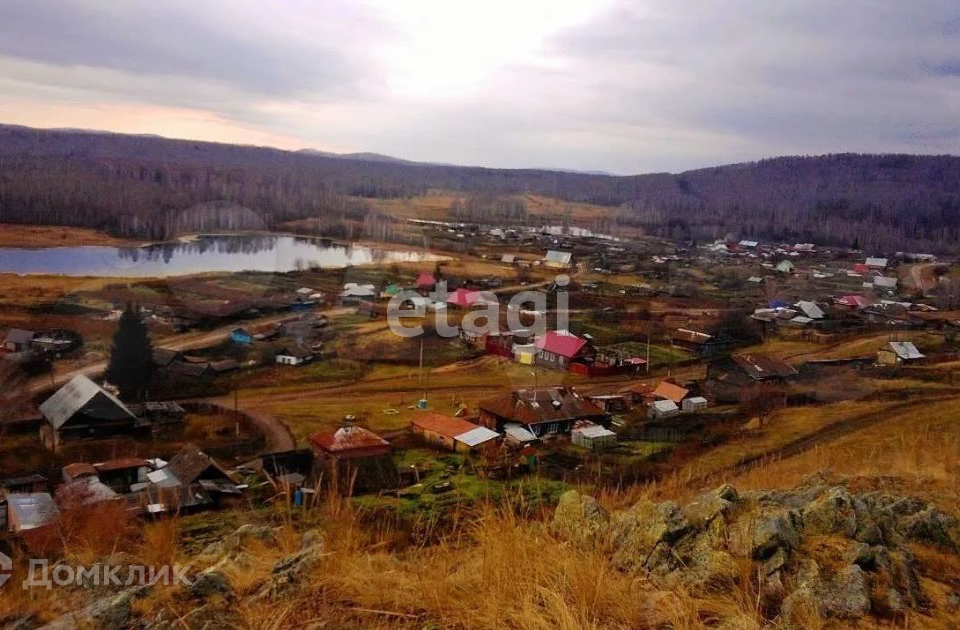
(355, 459)
(500, 343)
(698, 342)
(784, 266)
(354, 293)
(86, 490)
(876, 263)
(30, 511)
(810, 310)
(854, 302)
(662, 409)
(592, 436)
(885, 283)
(224, 365)
(559, 348)
(748, 244)
(557, 259)
(897, 352)
(545, 411)
(192, 480)
(727, 380)
(25, 484)
(694, 404)
(241, 337)
(452, 434)
(189, 369)
(18, 340)
(294, 354)
(670, 391)
(465, 298)
(508, 259)
(81, 408)
(426, 281)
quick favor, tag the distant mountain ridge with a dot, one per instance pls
(876, 202)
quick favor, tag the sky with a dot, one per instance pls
(595, 85)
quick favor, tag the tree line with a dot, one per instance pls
(152, 187)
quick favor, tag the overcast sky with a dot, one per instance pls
(626, 87)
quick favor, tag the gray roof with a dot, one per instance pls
(810, 309)
(905, 350)
(885, 282)
(73, 397)
(558, 257)
(477, 436)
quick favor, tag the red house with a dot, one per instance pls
(559, 348)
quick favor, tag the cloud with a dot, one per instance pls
(622, 86)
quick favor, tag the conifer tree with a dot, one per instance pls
(131, 355)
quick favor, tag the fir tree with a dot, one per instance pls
(131, 355)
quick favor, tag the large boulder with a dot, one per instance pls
(833, 514)
(580, 519)
(844, 595)
(643, 534)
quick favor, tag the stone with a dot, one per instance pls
(637, 533)
(702, 510)
(107, 613)
(212, 582)
(930, 525)
(580, 519)
(832, 514)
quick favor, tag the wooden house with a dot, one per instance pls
(452, 434)
(81, 409)
(545, 411)
(557, 349)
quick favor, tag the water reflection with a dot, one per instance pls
(203, 254)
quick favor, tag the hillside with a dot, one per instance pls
(137, 185)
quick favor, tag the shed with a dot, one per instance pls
(694, 404)
(876, 263)
(357, 459)
(660, 409)
(557, 259)
(518, 435)
(896, 352)
(294, 355)
(592, 436)
(241, 337)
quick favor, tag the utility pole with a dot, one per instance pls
(236, 409)
(421, 369)
(648, 350)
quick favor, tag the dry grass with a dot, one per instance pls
(13, 235)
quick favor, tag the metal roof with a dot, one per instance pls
(905, 350)
(73, 397)
(477, 436)
(19, 335)
(810, 309)
(558, 257)
(594, 431)
(665, 405)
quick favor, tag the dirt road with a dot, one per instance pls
(921, 277)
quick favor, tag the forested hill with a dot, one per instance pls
(139, 185)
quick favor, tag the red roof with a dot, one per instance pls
(426, 279)
(860, 268)
(857, 301)
(463, 297)
(561, 342)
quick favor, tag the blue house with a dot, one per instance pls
(241, 336)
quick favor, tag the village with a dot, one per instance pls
(292, 385)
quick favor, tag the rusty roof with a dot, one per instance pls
(347, 438)
(670, 391)
(123, 463)
(551, 404)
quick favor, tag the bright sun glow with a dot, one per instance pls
(451, 47)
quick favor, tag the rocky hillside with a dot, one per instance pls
(817, 552)
(831, 553)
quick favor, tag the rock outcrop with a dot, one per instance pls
(820, 549)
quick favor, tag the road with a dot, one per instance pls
(182, 342)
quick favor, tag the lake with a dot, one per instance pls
(200, 255)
